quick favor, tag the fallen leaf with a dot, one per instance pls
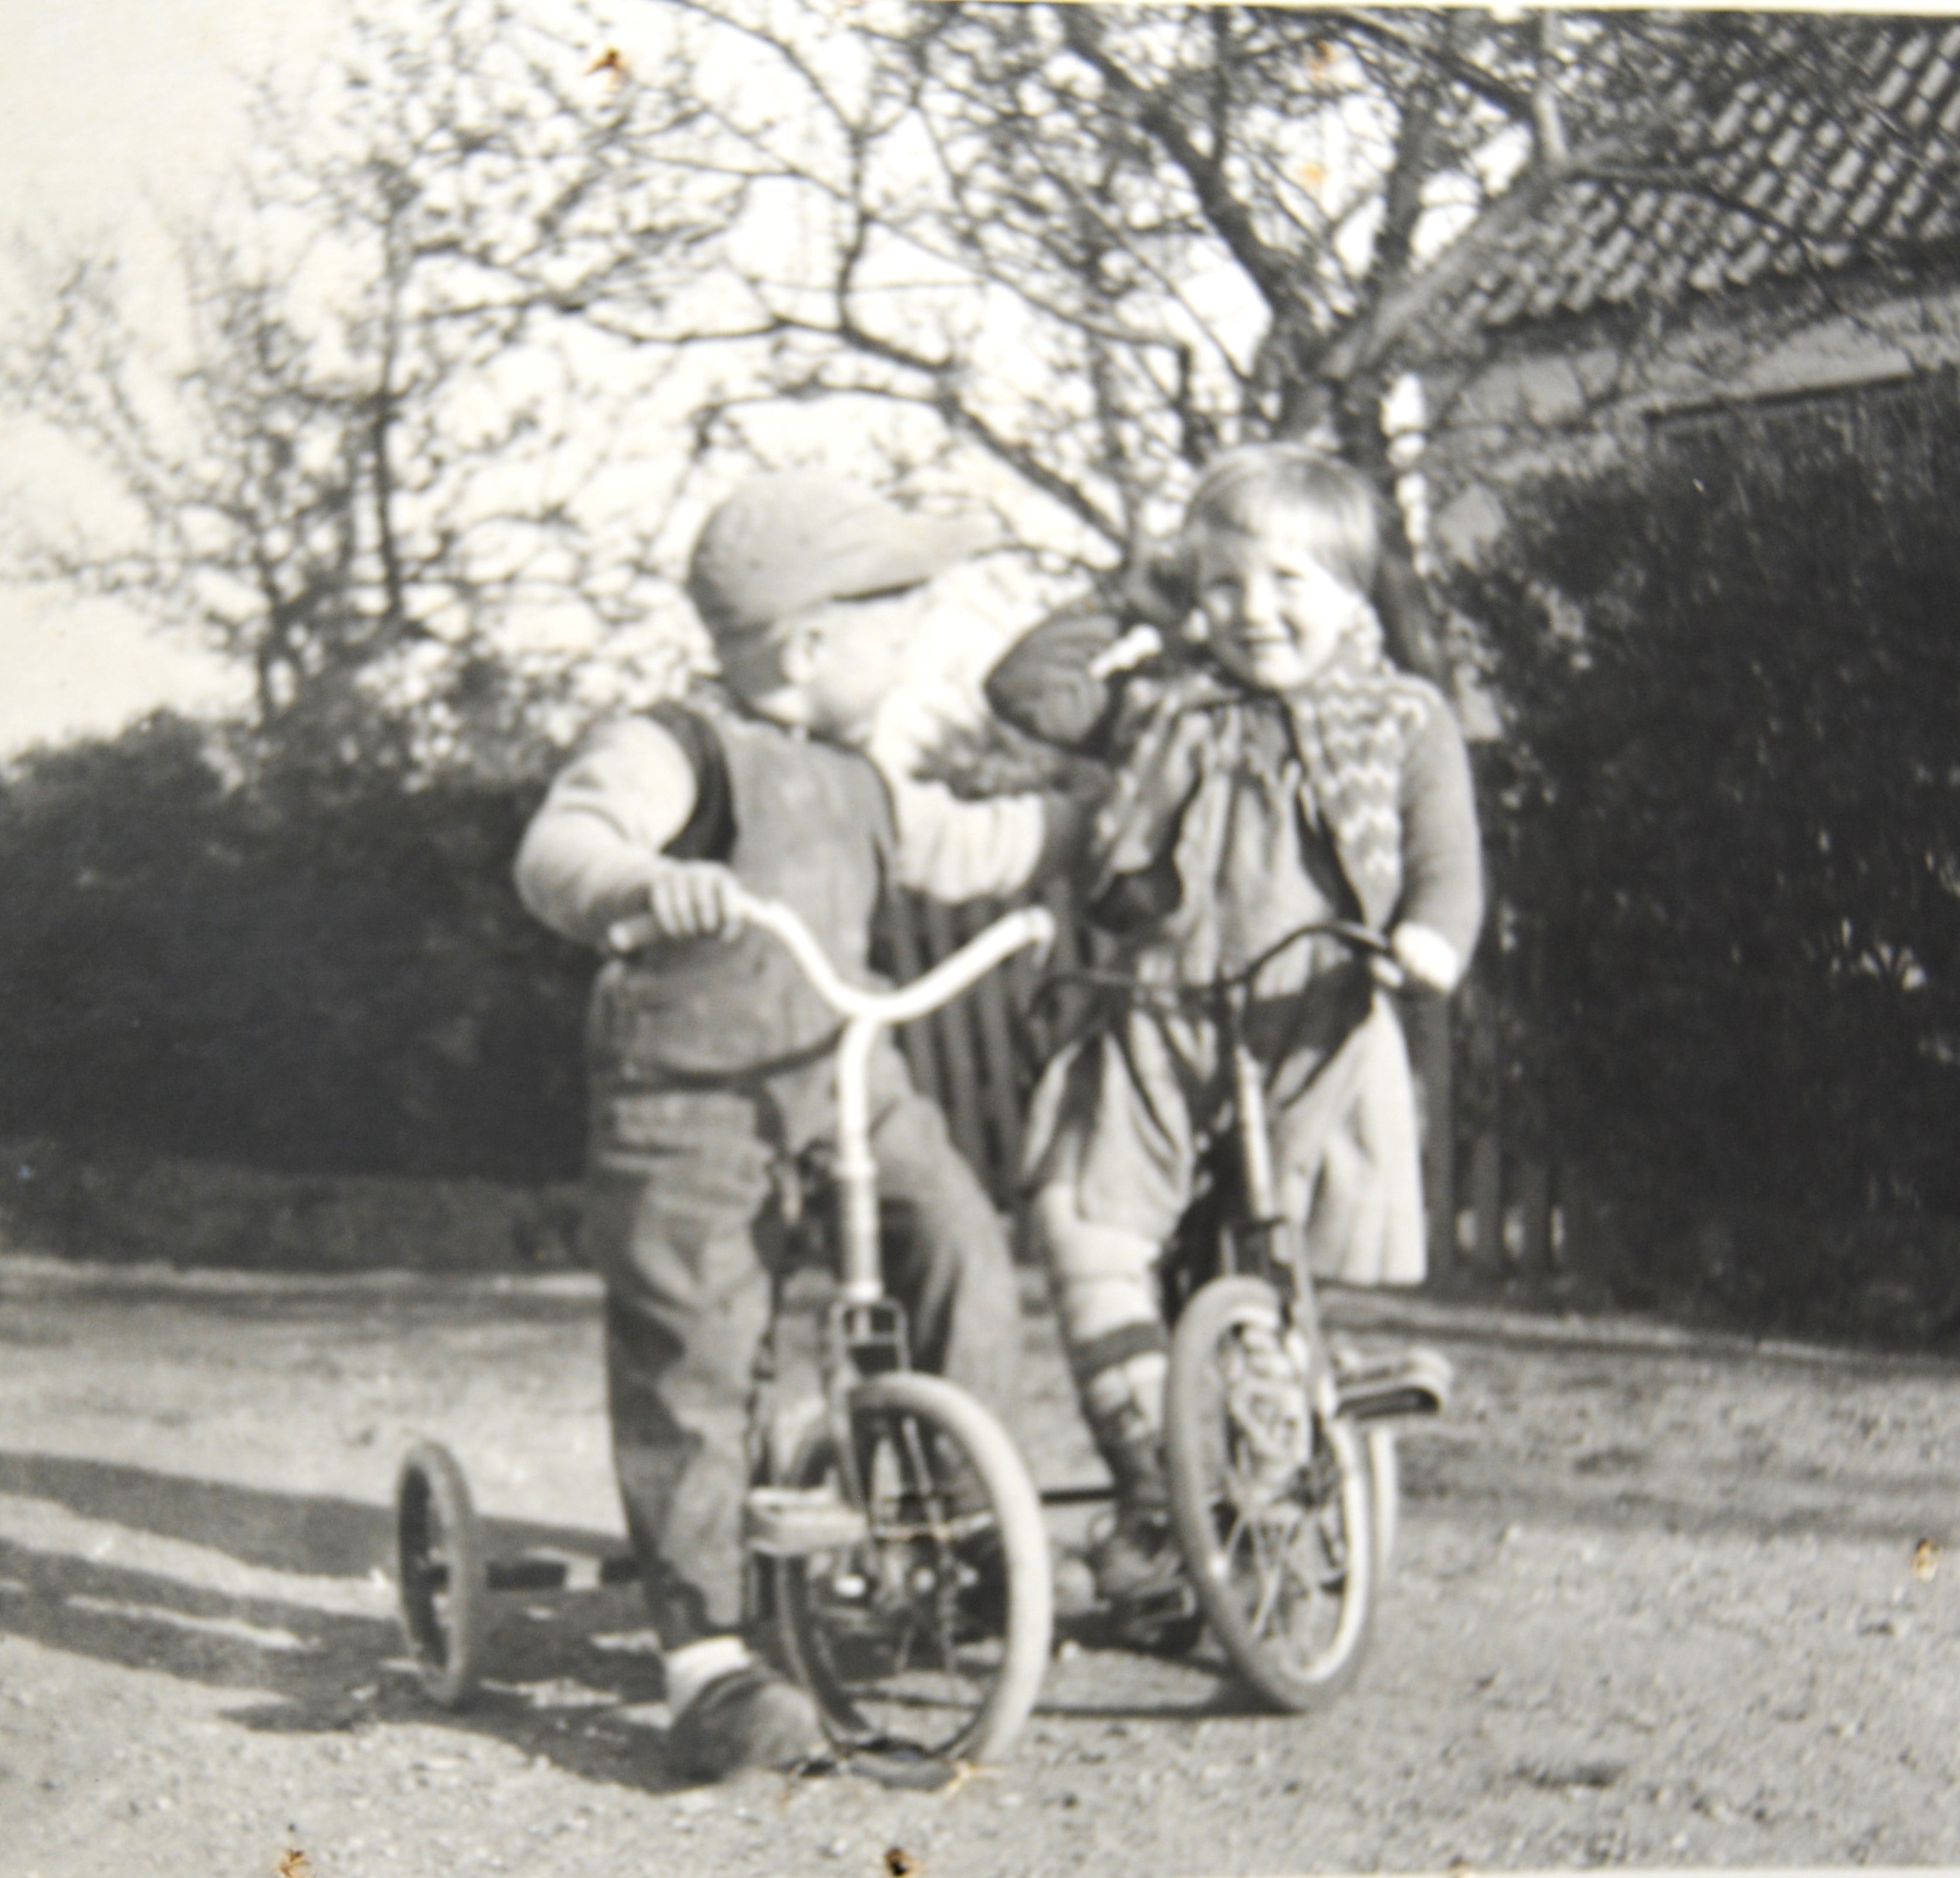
(962, 1772)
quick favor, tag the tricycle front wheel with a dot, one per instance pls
(1272, 1501)
(929, 1634)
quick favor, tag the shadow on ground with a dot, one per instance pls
(559, 1686)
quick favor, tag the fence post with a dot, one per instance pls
(963, 1082)
(998, 1098)
(1534, 1203)
(1486, 1201)
(1594, 1249)
(909, 957)
(1430, 1052)
(1487, 1151)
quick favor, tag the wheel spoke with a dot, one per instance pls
(1273, 1577)
(1240, 1526)
(1313, 1594)
(908, 1635)
(944, 1590)
(1334, 1552)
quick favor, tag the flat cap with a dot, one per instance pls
(784, 542)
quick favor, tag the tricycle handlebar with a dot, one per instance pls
(1027, 926)
(867, 1011)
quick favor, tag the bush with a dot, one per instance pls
(1725, 818)
(317, 970)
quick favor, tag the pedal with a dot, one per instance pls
(1398, 1386)
(796, 1522)
(1164, 1622)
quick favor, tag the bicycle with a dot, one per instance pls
(1279, 1452)
(896, 1543)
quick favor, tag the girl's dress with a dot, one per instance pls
(1234, 817)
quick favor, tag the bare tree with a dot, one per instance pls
(386, 427)
(1090, 243)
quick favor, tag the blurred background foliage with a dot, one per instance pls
(256, 958)
(1724, 818)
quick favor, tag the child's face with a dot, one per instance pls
(838, 663)
(1273, 611)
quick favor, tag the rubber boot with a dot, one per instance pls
(1138, 1571)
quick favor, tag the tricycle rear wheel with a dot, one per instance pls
(441, 1573)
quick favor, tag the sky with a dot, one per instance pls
(104, 104)
(107, 107)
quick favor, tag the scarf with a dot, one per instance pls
(1351, 727)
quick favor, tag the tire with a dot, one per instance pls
(1279, 1545)
(1385, 1473)
(441, 1574)
(930, 1637)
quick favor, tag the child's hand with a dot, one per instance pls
(1140, 643)
(694, 899)
(1423, 958)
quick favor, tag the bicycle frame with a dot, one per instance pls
(1283, 1265)
(1263, 1222)
(823, 1549)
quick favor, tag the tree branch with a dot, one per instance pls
(1271, 269)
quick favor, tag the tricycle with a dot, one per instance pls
(897, 1549)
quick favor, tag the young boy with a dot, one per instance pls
(1271, 770)
(710, 1055)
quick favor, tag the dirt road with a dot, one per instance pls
(1653, 1604)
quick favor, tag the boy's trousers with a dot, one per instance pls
(683, 1221)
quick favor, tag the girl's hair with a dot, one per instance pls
(1244, 488)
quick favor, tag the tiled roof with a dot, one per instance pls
(1818, 145)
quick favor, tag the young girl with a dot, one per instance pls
(1271, 769)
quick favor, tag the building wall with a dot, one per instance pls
(1559, 399)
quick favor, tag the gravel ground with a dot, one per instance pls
(1654, 1605)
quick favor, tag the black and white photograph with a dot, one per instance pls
(976, 938)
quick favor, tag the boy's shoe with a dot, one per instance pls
(746, 1717)
(1140, 1575)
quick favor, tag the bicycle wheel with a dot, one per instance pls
(929, 1636)
(1271, 1501)
(441, 1577)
